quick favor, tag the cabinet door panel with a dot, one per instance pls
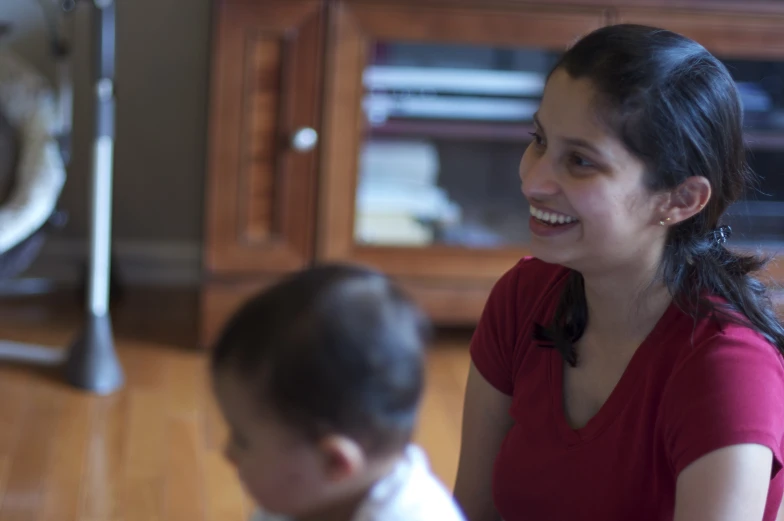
(728, 34)
(266, 86)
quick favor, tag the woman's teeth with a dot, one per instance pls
(551, 218)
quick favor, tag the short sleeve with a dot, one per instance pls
(494, 337)
(729, 390)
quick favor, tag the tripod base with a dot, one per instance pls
(92, 362)
(20, 353)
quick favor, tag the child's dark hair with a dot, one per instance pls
(332, 349)
(674, 106)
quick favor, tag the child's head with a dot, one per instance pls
(319, 378)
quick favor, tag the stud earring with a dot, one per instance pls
(664, 221)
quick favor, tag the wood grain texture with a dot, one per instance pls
(528, 25)
(729, 35)
(219, 299)
(27, 464)
(68, 458)
(153, 451)
(731, 6)
(266, 73)
(263, 101)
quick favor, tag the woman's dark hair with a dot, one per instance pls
(674, 106)
(332, 349)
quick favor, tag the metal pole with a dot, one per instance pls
(92, 362)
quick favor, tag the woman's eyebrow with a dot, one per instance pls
(582, 143)
(573, 141)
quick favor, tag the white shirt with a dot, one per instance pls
(409, 493)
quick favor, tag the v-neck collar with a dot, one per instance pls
(620, 396)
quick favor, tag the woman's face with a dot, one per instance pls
(590, 209)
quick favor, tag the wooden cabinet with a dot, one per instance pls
(724, 33)
(266, 86)
(386, 156)
(389, 133)
(266, 105)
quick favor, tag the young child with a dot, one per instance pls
(319, 379)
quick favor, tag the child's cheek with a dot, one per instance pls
(254, 486)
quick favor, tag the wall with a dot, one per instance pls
(162, 80)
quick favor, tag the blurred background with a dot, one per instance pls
(163, 51)
(257, 137)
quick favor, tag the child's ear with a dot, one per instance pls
(342, 456)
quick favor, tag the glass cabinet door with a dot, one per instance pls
(445, 126)
(759, 217)
(428, 113)
(444, 129)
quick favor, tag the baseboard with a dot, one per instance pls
(140, 263)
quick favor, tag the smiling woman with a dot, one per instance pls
(632, 368)
(548, 222)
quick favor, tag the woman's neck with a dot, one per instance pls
(625, 306)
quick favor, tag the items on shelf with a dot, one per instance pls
(398, 199)
(448, 93)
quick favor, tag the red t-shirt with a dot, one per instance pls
(688, 390)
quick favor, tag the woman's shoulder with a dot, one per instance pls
(726, 388)
(526, 294)
(528, 291)
(726, 334)
(718, 339)
(726, 353)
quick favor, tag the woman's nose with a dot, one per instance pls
(538, 178)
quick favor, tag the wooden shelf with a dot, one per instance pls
(517, 132)
(455, 130)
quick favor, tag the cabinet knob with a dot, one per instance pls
(304, 139)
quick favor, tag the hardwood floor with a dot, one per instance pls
(153, 450)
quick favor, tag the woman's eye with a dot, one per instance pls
(580, 161)
(537, 138)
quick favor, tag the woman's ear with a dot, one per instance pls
(687, 200)
(343, 457)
